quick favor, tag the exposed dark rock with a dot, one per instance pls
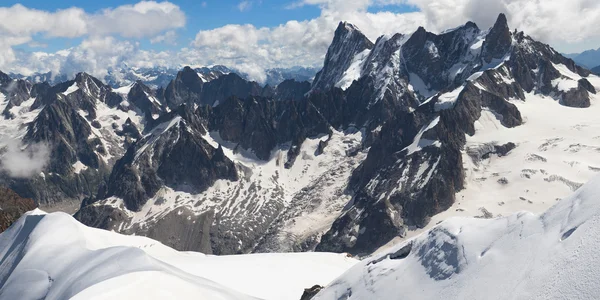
(173, 155)
(226, 86)
(291, 90)
(189, 88)
(85, 91)
(144, 99)
(498, 41)
(260, 124)
(12, 206)
(61, 127)
(185, 88)
(311, 292)
(580, 96)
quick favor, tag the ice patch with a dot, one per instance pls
(447, 100)
(71, 89)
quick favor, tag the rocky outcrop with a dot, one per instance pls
(12, 207)
(84, 92)
(185, 88)
(143, 98)
(189, 88)
(291, 90)
(579, 96)
(311, 292)
(229, 85)
(260, 124)
(498, 41)
(173, 154)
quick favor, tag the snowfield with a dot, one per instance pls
(52, 256)
(551, 160)
(522, 256)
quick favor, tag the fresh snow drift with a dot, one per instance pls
(522, 256)
(52, 256)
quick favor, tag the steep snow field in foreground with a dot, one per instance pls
(52, 256)
(523, 256)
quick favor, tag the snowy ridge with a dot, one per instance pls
(52, 256)
(521, 256)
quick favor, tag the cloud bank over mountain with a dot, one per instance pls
(113, 37)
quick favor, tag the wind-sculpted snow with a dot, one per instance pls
(521, 256)
(52, 256)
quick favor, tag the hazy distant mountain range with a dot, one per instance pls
(160, 76)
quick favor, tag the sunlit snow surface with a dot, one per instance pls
(522, 256)
(52, 256)
(557, 150)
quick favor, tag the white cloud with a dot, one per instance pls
(144, 19)
(169, 38)
(19, 20)
(253, 49)
(295, 42)
(22, 162)
(244, 5)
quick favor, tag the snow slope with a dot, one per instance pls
(521, 256)
(551, 160)
(52, 256)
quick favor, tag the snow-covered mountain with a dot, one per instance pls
(390, 136)
(161, 76)
(519, 256)
(52, 256)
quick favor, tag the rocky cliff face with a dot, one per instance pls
(173, 154)
(13, 206)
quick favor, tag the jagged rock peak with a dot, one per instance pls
(498, 41)
(348, 43)
(501, 22)
(189, 77)
(470, 24)
(187, 71)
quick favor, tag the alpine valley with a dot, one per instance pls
(390, 138)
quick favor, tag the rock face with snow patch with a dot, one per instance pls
(173, 154)
(348, 44)
(415, 171)
(144, 99)
(525, 255)
(71, 121)
(260, 124)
